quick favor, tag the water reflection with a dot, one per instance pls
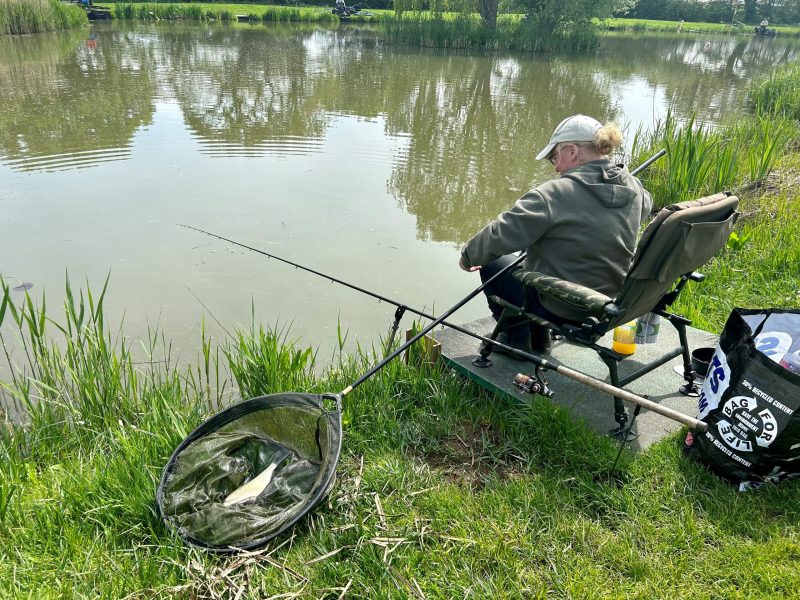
(246, 94)
(706, 75)
(475, 126)
(71, 102)
(472, 121)
(369, 162)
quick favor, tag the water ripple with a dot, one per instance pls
(81, 159)
(285, 146)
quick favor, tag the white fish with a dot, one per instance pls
(254, 487)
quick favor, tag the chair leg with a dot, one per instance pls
(620, 414)
(690, 388)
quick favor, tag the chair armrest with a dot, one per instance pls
(572, 294)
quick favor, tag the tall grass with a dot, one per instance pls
(440, 486)
(445, 30)
(100, 417)
(33, 16)
(778, 94)
(738, 153)
(220, 12)
(702, 159)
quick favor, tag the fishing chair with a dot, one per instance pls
(680, 239)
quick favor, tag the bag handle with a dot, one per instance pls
(767, 314)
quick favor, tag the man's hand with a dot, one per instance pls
(464, 267)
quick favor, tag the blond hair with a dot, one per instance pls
(607, 139)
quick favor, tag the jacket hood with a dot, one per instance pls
(611, 184)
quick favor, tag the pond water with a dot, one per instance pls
(324, 146)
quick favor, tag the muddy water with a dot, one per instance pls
(368, 162)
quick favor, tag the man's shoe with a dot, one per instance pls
(540, 338)
(523, 344)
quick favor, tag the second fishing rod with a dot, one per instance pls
(538, 361)
(401, 308)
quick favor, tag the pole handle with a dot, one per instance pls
(691, 422)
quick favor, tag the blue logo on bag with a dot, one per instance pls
(717, 374)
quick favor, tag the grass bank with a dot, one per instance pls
(34, 16)
(413, 28)
(641, 25)
(442, 490)
(755, 156)
(255, 13)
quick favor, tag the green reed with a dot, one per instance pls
(778, 94)
(86, 400)
(33, 16)
(220, 12)
(450, 30)
(267, 361)
(300, 15)
(702, 159)
(737, 153)
(463, 477)
(455, 469)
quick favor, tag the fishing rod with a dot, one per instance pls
(532, 384)
(649, 161)
(401, 308)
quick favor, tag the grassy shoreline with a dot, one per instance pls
(649, 25)
(34, 16)
(442, 491)
(224, 12)
(429, 29)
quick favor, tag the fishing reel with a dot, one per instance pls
(533, 384)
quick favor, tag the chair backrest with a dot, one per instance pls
(680, 239)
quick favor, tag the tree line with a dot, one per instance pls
(557, 12)
(717, 11)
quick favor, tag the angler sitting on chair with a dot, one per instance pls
(581, 276)
(581, 227)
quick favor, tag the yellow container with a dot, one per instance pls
(624, 338)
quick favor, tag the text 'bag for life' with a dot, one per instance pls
(751, 399)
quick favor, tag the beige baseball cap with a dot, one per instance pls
(577, 128)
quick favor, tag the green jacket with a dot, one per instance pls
(581, 227)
